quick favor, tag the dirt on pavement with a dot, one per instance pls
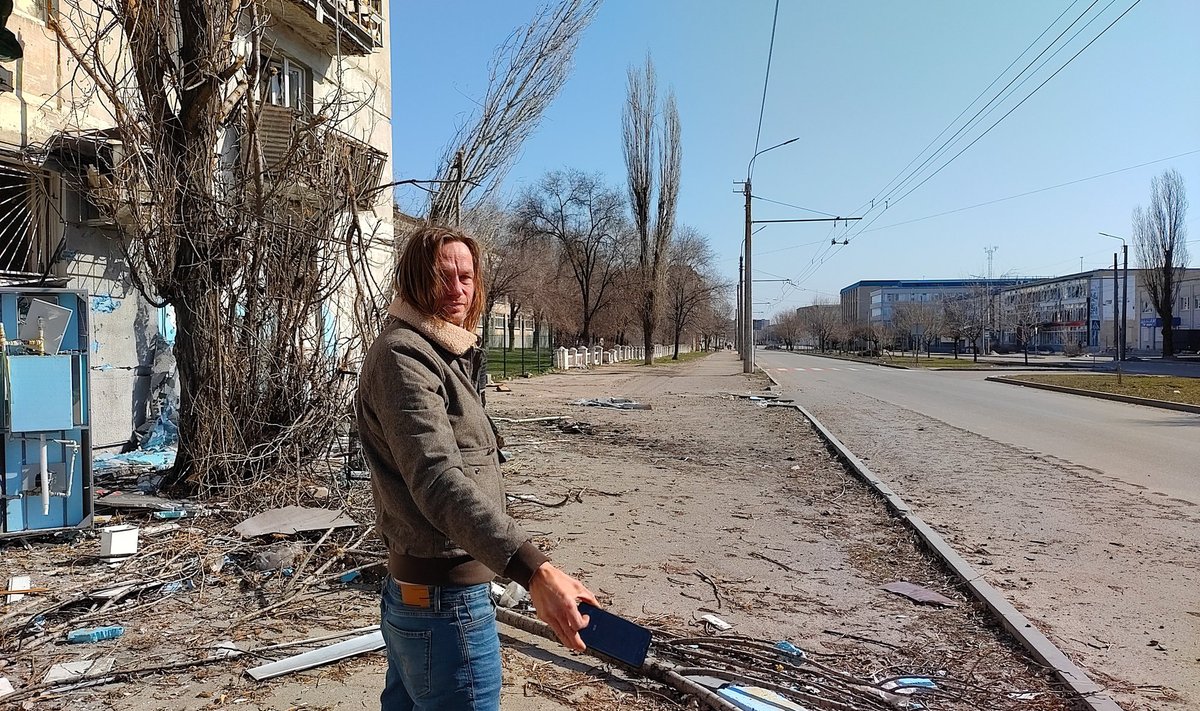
(706, 504)
(1109, 571)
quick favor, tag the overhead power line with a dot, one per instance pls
(863, 227)
(877, 197)
(1034, 192)
(766, 79)
(1022, 101)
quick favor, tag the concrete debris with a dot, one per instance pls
(919, 594)
(618, 403)
(716, 622)
(72, 671)
(17, 583)
(6, 687)
(293, 519)
(277, 557)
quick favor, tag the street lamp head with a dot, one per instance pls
(750, 165)
(1105, 234)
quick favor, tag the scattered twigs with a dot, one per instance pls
(756, 554)
(524, 420)
(109, 677)
(307, 557)
(531, 499)
(715, 587)
(861, 638)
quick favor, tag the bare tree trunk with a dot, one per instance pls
(514, 310)
(642, 138)
(1160, 237)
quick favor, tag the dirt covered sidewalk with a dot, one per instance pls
(705, 504)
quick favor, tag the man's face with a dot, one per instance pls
(458, 273)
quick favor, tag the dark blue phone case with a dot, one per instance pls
(615, 636)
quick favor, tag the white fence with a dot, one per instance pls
(566, 358)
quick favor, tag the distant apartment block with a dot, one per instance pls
(873, 301)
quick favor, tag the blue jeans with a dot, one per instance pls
(445, 656)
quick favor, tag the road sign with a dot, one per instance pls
(1157, 322)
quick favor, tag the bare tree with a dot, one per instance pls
(644, 140)
(788, 327)
(1160, 238)
(527, 71)
(819, 321)
(252, 242)
(961, 319)
(978, 310)
(1019, 315)
(918, 323)
(584, 218)
(691, 283)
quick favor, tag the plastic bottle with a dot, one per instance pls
(87, 635)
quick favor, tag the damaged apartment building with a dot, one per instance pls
(57, 143)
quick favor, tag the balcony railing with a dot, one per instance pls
(352, 27)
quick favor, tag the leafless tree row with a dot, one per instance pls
(565, 254)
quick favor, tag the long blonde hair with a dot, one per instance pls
(420, 282)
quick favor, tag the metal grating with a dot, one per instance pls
(21, 248)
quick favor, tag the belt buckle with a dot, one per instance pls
(415, 595)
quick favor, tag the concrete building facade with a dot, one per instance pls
(50, 232)
(1186, 317)
(1074, 311)
(873, 301)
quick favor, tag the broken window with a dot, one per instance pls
(24, 230)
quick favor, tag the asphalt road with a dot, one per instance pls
(1142, 446)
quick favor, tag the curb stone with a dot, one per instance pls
(1091, 694)
(1131, 399)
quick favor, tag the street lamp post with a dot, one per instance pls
(1124, 342)
(747, 289)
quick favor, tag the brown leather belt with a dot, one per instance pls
(416, 595)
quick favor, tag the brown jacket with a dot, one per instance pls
(433, 456)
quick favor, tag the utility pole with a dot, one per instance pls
(737, 336)
(987, 331)
(1124, 296)
(1116, 319)
(747, 290)
(1125, 300)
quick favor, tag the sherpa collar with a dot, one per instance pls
(453, 338)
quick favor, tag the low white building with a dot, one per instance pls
(1185, 319)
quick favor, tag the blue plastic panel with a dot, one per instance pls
(40, 399)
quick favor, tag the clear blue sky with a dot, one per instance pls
(865, 85)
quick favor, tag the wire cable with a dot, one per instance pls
(788, 204)
(1034, 192)
(1021, 102)
(999, 97)
(968, 107)
(767, 78)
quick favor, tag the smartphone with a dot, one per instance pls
(615, 636)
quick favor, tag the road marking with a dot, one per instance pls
(816, 368)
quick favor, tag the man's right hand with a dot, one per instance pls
(556, 597)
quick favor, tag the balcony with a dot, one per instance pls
(351, 27)
(318, 156)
